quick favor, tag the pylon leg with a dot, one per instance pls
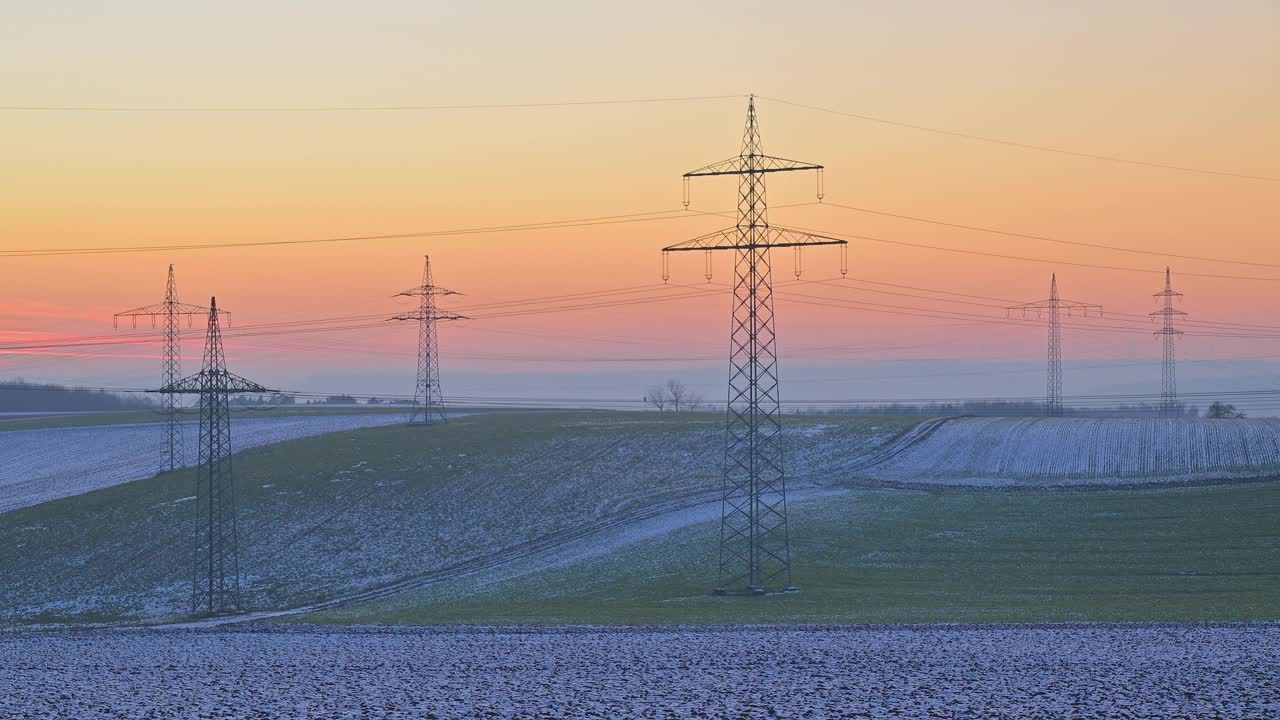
(754, 546)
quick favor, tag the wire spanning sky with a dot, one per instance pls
(1183, 93)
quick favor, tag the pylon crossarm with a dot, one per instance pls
(229, 382)
(437, 315)
(217, 382)
(732, 239)
(752, 165)
(190, 384)
(419, 291)
(163, 309)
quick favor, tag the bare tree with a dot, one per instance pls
(657, 397)
(1224, 411)
(677, 393)
(693, 401)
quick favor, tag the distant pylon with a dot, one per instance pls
(1055, 306)
(1168, 333)
(215, 580)
(755, 551)
(170, 311)
(428, 400)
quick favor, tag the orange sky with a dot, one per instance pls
(1178, 83)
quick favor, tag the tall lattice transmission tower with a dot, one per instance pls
(1055, 307)
(755, 552)
(170, 313)
(1168, 333)
(215, 580)
(428, 401)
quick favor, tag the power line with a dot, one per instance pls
(353, 108)
(1246, 394)
(645, 294)
(1045, 238)
(1024, 258)
(548, 225)
(1023, 145)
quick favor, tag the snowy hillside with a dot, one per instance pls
(996, 450)
(41, 465)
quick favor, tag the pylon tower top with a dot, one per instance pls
(169, 308)
(170, 312)
(1040, 308)
(1054, 307)
(1169, 313)
(1168, 333)
(214, 376)
(752, 229)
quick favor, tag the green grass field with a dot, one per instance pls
(893, 556)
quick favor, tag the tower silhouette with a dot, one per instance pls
(428, 400)
(1168, 333)
(755, 552)
(170, 313)
(1055, 306)
(215, 584)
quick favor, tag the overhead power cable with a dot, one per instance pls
(351, 108)
(1247, 394)
(1045, 238)
(1025, 258)
(548, 225)
(1024, 145)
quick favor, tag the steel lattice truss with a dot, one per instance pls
(1168, 333)
(215, 585)
(170, 313)
(428, 400)
(754, 545)
(1055, 307)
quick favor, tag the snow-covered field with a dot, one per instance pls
(41, 465)
(1025, 672)
(1085, 450)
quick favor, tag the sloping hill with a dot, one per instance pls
(356, 511)
(994, 451)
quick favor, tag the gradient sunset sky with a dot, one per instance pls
(1186, 84)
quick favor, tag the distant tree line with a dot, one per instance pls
(21, 396)
(263, 400)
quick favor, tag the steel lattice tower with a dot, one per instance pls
(755, 554)
(215, 582)
(1055, 307)
(170, 313)
(428, 401)
(1168, 333)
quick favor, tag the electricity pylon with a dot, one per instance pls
(170, 312)
(755, 553)
(1168, 333)
(1054, 306)
(215, 580)
(428, 401)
